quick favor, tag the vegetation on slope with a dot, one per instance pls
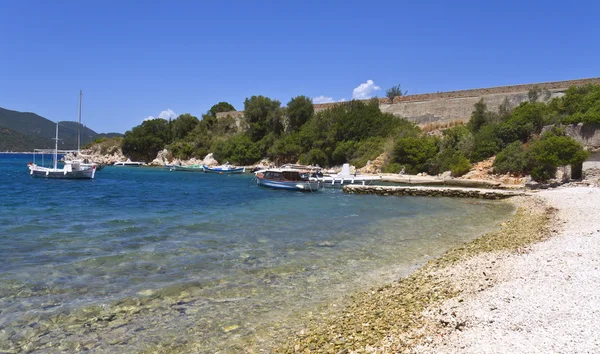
(358, 131)
(31, 131)
(16, 142)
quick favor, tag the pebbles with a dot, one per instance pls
(391, 318)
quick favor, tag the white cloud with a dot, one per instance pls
(323, 99)
(364, 90)
(342, 100)
(166, 115)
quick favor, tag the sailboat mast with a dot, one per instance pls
(56, 147)
(79, 125)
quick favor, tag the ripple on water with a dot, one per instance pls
(130, 263)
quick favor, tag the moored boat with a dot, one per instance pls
(128, 163)
(289, 179)
(227, 168)
(191, 168)
(71, 169)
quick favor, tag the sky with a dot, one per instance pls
(137, 59)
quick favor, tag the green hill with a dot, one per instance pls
(10, 140)
(25, 131)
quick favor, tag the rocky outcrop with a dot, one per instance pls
(163, 157)
(93, 156)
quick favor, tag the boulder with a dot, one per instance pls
(162, 158)
(209, 160)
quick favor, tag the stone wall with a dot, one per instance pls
(432, 192)
(444, 107)
(587, 135)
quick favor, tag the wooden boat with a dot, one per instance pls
(224, 169)
(71, 169)
(192, 168)
(289, 179)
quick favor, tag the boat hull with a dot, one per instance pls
(62, 174)
(220, 170)
(185, 168)
(305, 186)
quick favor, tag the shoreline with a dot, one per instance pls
(455, 303)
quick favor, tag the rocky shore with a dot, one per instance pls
(529, 287)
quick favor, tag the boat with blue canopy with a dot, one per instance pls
(227, 168)
(288, 179)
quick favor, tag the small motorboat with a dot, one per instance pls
(286, 178)
(191, 168)
(227, 168)
(128, 164)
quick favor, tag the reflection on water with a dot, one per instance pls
(145, 258)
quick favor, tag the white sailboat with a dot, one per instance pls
(72, 169)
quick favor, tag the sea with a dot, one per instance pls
(147, 259)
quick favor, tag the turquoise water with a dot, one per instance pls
(145, 258)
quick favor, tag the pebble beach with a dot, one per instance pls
(530, 287)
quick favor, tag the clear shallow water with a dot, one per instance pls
(141, 258)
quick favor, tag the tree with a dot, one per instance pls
(512, 159)
(395, 91)
(415, 152)
(220, 107)
(182, 125)
(299, 110)
(553, 150)
(263, 115)
(144, 141)
(478, 117)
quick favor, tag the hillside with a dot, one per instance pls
(25, 131)
(13, 141)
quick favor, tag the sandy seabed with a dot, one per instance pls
(545, 299)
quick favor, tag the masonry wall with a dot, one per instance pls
(444, 107)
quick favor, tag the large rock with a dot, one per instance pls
(162, 158)
(209, 160)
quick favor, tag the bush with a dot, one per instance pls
(551, 151)
(391, 167)
(512, 159)
(449, 160)
(366, 150)
(239, 149)
(487, 143)
(315, 157)
(459, 165)
(415, 152)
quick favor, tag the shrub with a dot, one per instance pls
(315, 157)
(551, 151)
(511, 160)
(391, 167)
(459, 165)
(487, 143)
(415, 152)
(366, 150)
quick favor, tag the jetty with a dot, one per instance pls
(429, 191)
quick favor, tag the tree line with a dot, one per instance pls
(357, 131)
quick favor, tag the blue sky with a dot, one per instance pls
(135, 59)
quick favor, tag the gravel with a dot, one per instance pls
(543, 300)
